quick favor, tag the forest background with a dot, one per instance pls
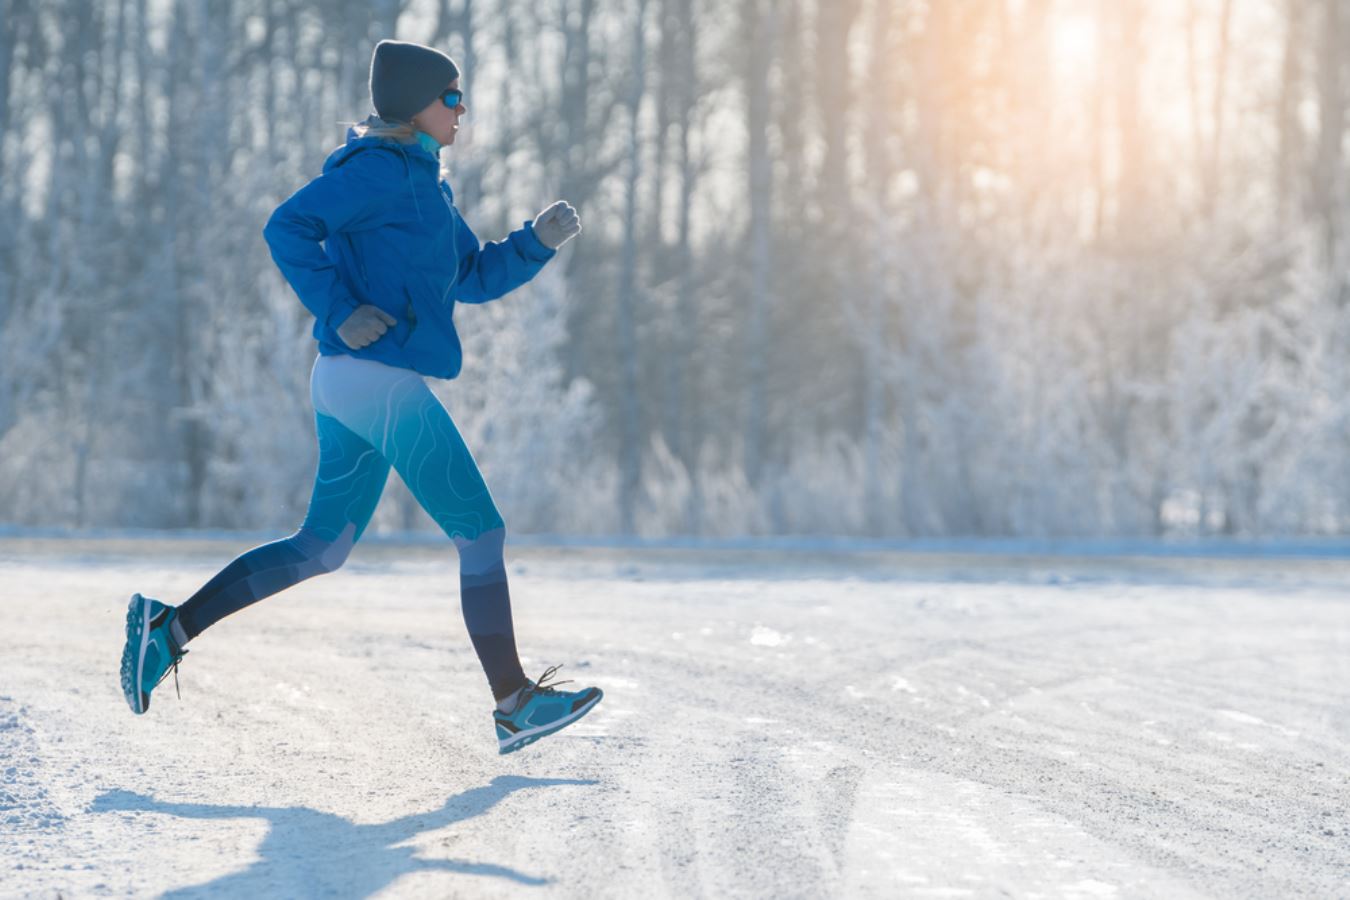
(882, 268)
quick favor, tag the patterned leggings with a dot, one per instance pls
(370, 416)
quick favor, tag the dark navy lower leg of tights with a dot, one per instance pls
(486, 602)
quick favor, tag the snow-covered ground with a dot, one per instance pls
(776, 724)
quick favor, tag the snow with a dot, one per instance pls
(776, 723)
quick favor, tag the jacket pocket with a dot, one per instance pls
(433, 347)
(407, 323)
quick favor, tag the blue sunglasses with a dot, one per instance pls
(452, 98)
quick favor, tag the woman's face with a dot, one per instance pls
(440, 121)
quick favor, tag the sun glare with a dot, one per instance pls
(1074, 42)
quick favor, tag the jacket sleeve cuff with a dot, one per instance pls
(533, 248)
(339, 312)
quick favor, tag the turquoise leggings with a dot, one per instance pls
(370, 416)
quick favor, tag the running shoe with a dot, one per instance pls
(540, 710)
(150, 652)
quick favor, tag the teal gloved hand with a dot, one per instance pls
(557, 225)
(365, 326)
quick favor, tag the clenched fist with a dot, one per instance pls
(365, 326)
(557, 225)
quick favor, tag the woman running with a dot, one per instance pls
(376, 250)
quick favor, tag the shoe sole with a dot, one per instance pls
(521, 739)
(133, 654)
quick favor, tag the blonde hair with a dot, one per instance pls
(394, 131)
(400, 132)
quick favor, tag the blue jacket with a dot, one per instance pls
(391, 237)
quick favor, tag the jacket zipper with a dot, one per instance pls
(454, 244)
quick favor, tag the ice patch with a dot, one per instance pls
(964, 692)
(1246, 719)
(613, 682)
(767, 637)
(901, 684)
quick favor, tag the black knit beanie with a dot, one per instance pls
(405, 77)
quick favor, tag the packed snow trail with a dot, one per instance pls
(774, 725)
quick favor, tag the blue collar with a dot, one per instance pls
(428, 143)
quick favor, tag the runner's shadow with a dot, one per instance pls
(311, 853)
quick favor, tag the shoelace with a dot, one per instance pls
(542, 687)
(173, 667)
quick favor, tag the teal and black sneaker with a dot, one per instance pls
(150, 652)
(541, 709)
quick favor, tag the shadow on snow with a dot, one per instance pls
(310, 853)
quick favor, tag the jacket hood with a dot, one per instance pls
(410, 150)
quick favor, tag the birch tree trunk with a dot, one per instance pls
(759, 21)
(688, 434)
(1290, 152)
(630, 459)
(1327, 177)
